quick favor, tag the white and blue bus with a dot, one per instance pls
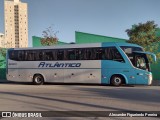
(97, 63)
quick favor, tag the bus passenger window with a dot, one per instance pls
(94, 53)
(88, 54)
(60, 55)
(100, 54)
(41, 56)
(81, 54)
(71, 54)
(11, 55)
(116, 55)
(14, 55)
(77, 54)
(30, 56)
(54, 54)
(20, 55)
(111, 53)
(48, 55)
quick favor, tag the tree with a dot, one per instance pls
(2, 56)
(49, 37)
(144, 34)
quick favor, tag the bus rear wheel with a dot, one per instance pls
(38, 79)
(116, 80)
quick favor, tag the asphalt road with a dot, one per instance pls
(49, 97)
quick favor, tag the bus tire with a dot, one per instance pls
(38, 79)
(116, 80)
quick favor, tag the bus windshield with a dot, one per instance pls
(139, 60)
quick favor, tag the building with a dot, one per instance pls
(16, 24)
(81, 37)
(1, 40)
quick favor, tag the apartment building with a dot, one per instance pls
(16, 24)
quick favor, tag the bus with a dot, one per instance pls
(95, 63)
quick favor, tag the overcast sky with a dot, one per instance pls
(103, 17)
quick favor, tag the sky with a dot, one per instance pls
(103, 17)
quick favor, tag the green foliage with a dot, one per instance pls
(49, 37)
(144, 34)
(2, 56)
(3, 52)
(49, 41)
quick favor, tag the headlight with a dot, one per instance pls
(150, 79)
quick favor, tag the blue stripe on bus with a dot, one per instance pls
(105, 77)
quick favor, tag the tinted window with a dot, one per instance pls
(108, 53)
(30, 55)
(129, 52)
(115, 55)
(13, 55)
(60, 54)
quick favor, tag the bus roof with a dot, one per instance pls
(105, 44)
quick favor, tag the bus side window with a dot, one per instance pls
(88, 54)
(15, 55)
(94, 54)
(116, 56)
(54, 52)
(48, 55)
(77, 57)
(81, 54)
(71, 54)
(12, 55)
(60, 55)
(40, 55)
(103, 55)
(100, 54)
(107, 54)
(30, 56)
(20, 55)
(25, 55)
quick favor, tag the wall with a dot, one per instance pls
(158, 32)
(81, 37)
(156, 66)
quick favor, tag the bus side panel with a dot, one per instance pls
(142, 77)
(88, 72)
(20, 75)
(82, 76)
(110, 68)
(54, 75)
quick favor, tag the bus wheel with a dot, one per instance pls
(38, 79)
(116, 80)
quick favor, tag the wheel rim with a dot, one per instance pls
(38, 79)
(117, 80)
